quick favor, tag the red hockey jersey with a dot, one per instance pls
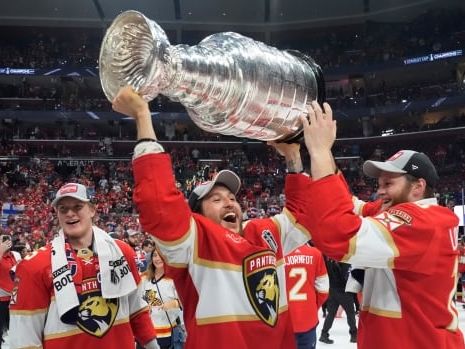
(113, 324)
(405, 250)
(232, 286)
(307, 286)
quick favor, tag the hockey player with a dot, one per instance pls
(405, 249)
(81, 291)
(230, 276)
(307, 289)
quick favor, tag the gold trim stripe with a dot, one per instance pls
(293, 220)
(384, 313)
(352, 247)
(76, 331)
(28, 312)
(233, 318)
(182, 239)
(389, 239)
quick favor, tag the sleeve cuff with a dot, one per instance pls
(148, 147)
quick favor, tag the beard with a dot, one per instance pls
(403, 196)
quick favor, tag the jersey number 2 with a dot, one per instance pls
(295, 293)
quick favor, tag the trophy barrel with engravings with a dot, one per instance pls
(228, 83)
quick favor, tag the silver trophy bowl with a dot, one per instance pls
(228, 83)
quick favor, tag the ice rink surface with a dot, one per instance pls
(340, 331)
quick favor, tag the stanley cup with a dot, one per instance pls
(229, 84)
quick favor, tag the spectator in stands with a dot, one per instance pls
(132, 238)
(229, 276)
(86, 290)
(8, 261)
(407, 247)
(307, 289)
(160, 293)
(146, 249)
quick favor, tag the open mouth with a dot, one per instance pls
(230, 217)
(73, 222)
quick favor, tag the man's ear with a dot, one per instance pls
(419, 187)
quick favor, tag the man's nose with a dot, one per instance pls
(229, 203)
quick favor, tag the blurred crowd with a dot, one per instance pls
(370, 42)
(31, 182)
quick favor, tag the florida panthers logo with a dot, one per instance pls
(152, 298)
(267, 295)
(262, 285)
(97, 315)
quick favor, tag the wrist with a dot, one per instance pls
(322, 164)
(294, 164)
(143, 112)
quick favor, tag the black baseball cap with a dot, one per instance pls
(409, 162)
(225, 177)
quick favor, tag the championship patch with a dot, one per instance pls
(261, 283)
(270, 240)
(96, 315)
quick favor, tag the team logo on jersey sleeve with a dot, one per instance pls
(96, 315)
(261, 282)
(390, 221)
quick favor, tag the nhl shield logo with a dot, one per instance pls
(261, 283)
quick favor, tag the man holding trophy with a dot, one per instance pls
(230, 276)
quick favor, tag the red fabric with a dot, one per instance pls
(7, 262)
(422, 238)
(303, 266)
(165, 214)
(34, 274)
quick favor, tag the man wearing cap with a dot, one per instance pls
(230, 276)
(132, 238)
(409, 250)
(82, 290)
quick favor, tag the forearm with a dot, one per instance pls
(173, 304)
(330, 217)
(144, 125)
(294, 162)
(156, 197)
(322, 164)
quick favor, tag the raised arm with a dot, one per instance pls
(162, 207)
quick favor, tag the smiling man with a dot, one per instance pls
(230, 275)
(216, 200)
(82, 290)
(409, 249)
